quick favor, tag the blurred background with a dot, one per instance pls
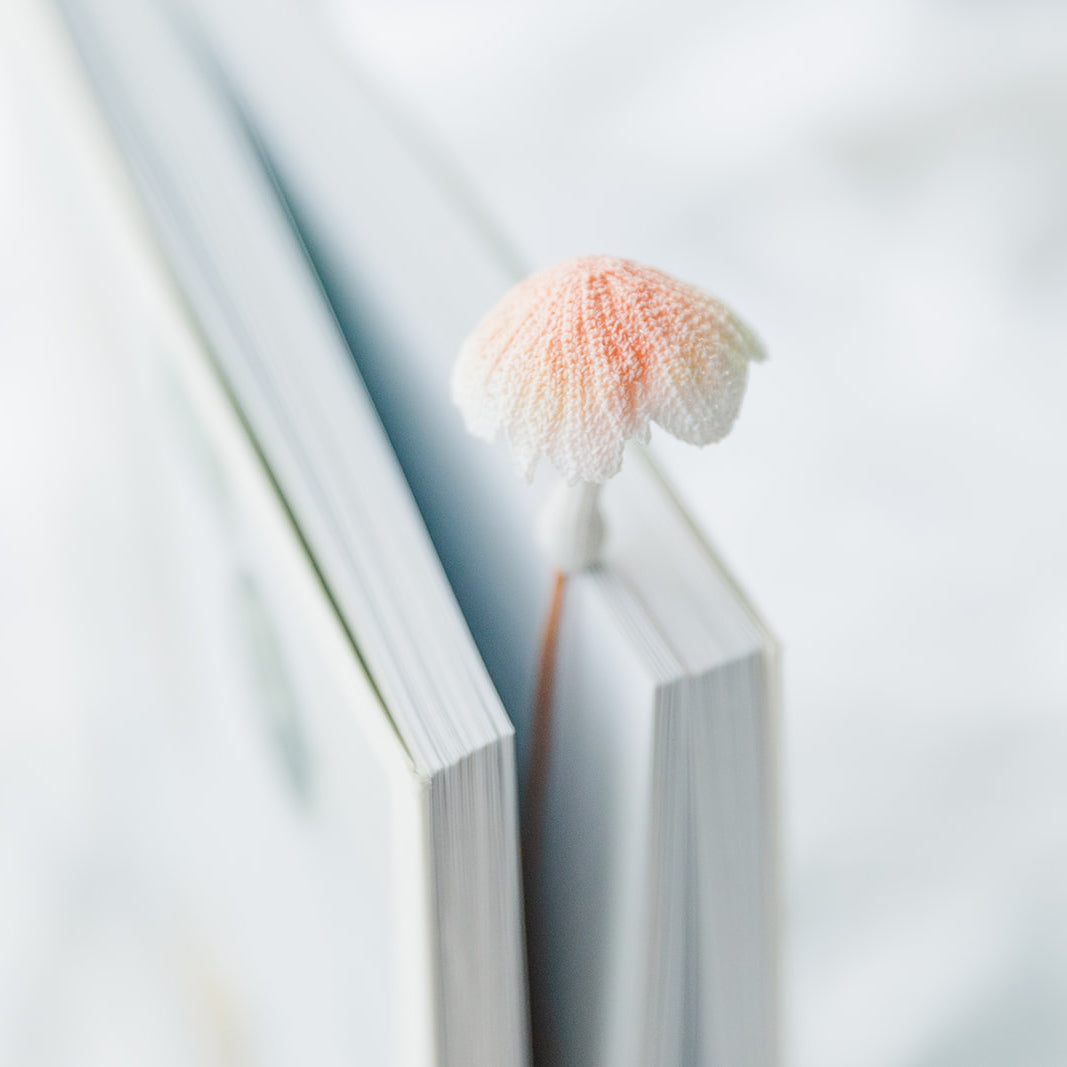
(881, 188)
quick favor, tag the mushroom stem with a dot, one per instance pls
(572, 527)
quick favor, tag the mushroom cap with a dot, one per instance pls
(578, 359)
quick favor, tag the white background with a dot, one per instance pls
(880, 189)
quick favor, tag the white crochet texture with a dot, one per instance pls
(578, 359)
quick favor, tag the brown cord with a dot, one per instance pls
(533, 826)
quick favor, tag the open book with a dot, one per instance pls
(314, 275)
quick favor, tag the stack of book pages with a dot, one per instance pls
(299, 269)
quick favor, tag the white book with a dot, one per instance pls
(659, 899)
(418, 953)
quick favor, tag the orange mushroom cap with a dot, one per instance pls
(578, 359)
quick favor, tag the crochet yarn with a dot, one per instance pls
(578, 359)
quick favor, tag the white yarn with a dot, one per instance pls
(571, 529)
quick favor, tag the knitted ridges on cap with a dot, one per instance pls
(578, 359)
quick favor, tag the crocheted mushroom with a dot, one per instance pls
(580, 358)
